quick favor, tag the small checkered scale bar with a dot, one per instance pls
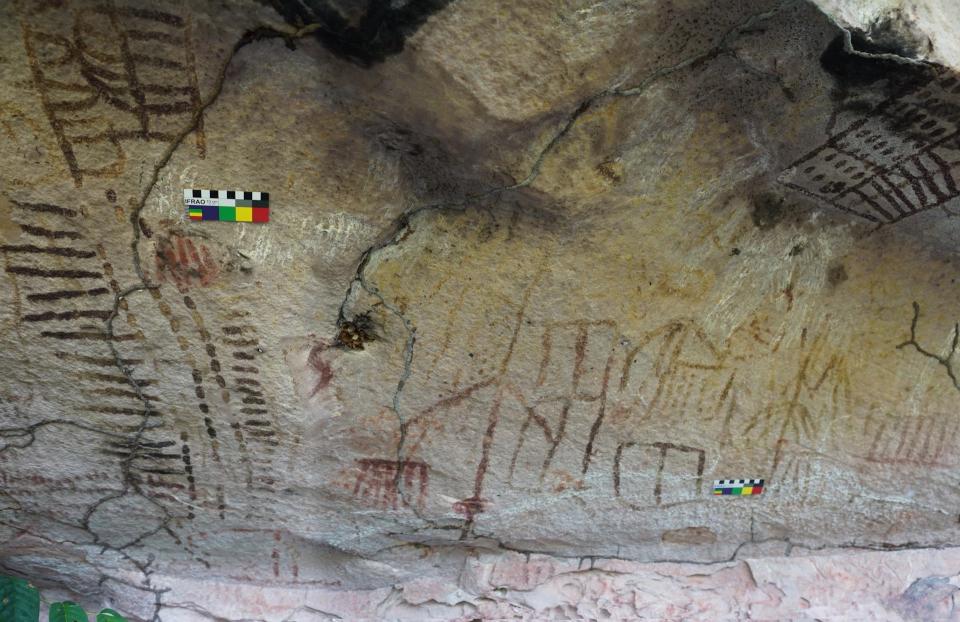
(227, 205)
(737, 487)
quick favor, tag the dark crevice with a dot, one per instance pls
(364, 32)
(868, 63)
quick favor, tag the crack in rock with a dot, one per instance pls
(945, 361)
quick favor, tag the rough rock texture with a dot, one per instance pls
(536, 274)
(915, 30)
(913, 586)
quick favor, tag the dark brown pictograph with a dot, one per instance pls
(199, 387)
(574, 366)
(70, 295)
(813, 395)
(97, 374)
(567, 383)
(389, 484)
(256, 431)
(675, 370)
(63, 303)
(415, 430)
(675, 464)
(120, 74)
(898, 161)
(188, 469)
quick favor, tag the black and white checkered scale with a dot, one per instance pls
(737, 483)
(192, 193)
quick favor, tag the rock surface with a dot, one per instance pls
(535, 275)
(915, 30)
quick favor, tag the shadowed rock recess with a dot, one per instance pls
(535, 275)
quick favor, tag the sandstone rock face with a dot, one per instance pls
(536, 274)
(917, 30)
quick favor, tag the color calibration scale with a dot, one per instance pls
(737, 487)
(227, 205)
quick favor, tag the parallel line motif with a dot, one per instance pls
(93, 89)
(114, 405)
(259, 431)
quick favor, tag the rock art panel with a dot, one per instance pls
(534, 276)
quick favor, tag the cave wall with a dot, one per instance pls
(536, 274)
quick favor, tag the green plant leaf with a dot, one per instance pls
(19, 601)
(109, 615)
(67, 612)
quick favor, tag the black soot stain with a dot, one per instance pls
(836, 274)
(768, 210)
(854, 71)
(364, 33)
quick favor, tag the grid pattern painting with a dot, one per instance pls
(737, 487)
(227, 205)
